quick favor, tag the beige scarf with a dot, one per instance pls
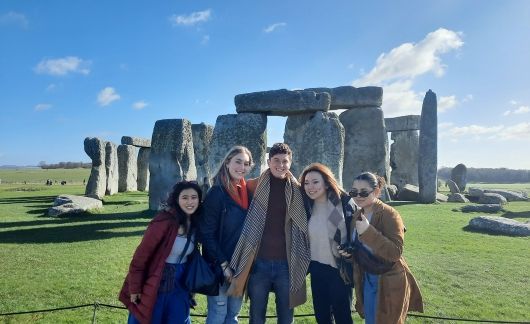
(248, 245)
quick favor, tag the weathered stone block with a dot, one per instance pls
(136, 141)
(171, 158)
(111, 168)
(97, 182)
(143, 168)
(348, 97)
(404, 153)
(244, 129)
(316, 137)
(403, 123)
(127, 168)
(457, 197)
(499, 225)
(365, 144)
(282, 102)
(492, 198)
(459, 176)
(428, 158)
(202, 137)
(70, 204)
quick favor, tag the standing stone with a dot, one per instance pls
(127, 168)
(453, 187)
(428, 158)
(316, 137)
(97, 182)
(366, 144)
(244, 129)
(459, 176)
(282, 102)
(202, 137)
(143, 168)
(404, 153)
(111, 167)
(171, 158)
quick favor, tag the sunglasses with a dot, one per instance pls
(363, 194)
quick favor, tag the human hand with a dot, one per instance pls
(362, 224)
(135, 298)
(344, 254)
(228, 273)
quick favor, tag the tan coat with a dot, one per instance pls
(239, 285)
(398, 291)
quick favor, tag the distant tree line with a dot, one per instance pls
(490, 175)
(65, 165)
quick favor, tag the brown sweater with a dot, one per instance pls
(273, 244)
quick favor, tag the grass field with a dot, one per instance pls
(48, 263)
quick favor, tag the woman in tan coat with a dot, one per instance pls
(380, 298)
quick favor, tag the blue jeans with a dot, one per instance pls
(222, 308)
(370, 287)
(267, 276)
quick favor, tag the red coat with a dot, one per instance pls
(147, 265)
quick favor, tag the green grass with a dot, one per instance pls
(48, 263)
(39, 176)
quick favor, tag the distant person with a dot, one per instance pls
(84, 182)
(273, 251)
(379, 230)
(330, 209)
(152, 290)
(221, 223)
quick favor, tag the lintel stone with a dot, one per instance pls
(347, 97)
(136, 141)
(403, 123)
(282, 102)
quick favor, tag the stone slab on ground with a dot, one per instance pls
(282, 102)
(508, 194)
(500, 225)
(136, 141)
(485, 208)
(492, 198)
(412, 193)
(69, 204)
(457, 197)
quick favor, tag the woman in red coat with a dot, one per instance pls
(152, 291)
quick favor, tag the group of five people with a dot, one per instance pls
(266, 235)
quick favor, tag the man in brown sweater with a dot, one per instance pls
(273, 268)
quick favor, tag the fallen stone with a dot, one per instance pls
(508, 194)
(485, 208)
(403, 123)
(492, 198)
(441, 197)
(408, 193)
(70, 204)
(136, 141)
(282, 102)
(475, 192)
(457, 197)
(347, 97)
(499, 225)
(453, 187)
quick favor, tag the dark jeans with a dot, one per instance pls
(267, 276)
(331, 297)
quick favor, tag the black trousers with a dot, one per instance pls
(331, 297)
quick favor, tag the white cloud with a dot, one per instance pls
(14, 18)
(205, 39)
(191, 19)
(42, 106)
(273, 27)
(107, 96)
(513, 102)
(63, 66)
(396, 71)
(446, 103)
(519, 131)
(139, 105)
(522, 110)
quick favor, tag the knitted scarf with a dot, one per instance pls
(336, 226)
(248, 245)
(238, 192)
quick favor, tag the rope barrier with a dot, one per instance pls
(97, 306)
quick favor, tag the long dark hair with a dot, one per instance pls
(172, 204)
(334, 190)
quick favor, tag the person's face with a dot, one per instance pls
(279, 164)
(189, 200)
(362, 188)
(315, 187)
(238, 166)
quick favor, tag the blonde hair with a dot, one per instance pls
(223, 173)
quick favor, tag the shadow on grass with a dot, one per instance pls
(27, 200)
(100, 227)
(78, 218)
(522, 214)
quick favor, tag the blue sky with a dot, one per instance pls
(72, 69)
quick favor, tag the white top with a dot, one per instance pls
(178, 247)
(319, 236)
